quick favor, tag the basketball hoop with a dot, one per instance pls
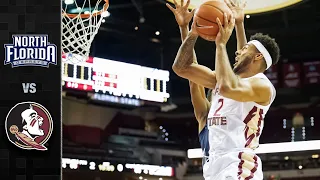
(80, 24)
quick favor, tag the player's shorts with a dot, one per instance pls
(233, 166)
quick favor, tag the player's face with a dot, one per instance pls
(244, 57)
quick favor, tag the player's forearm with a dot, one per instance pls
(194, 88)
(184, 30)
(241, 35)
(224, 73)
(185, 54)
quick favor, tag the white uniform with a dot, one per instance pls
(234, 131)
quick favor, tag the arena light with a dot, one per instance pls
(151, 169)
(254, 6)
(120, 167)
(73, 163)
(195, 153)
(106, 166)
(105, 14)
(92, 166)
(68, 2)
(272, 148)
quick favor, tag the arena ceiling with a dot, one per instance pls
(129, 35)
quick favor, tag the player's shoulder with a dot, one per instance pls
(263, 86)
(260, 79)
(259, 76)
(261, 83)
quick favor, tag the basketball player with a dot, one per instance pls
(201, 103)
(241, 98)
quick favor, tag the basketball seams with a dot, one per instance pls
(222, 13)
(206, 16)
(215, 8)
(206, 19)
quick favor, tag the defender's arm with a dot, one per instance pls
(237, 9)
(241, 35)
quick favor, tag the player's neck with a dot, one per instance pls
(248, 74)
(250, 71)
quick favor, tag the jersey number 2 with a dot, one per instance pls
(216, 113)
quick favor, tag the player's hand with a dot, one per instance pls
(181, 12)
(225, 31)
(193, 29)
(237, 8)
(195, 26)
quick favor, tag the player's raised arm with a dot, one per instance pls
(198, 98)
(184, 66)
(237, 8)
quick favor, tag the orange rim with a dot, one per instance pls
(84, 16)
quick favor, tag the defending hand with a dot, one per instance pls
(181, 12)
(237, 8)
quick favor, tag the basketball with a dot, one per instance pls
(206, 15)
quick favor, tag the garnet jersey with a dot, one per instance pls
(234, 130)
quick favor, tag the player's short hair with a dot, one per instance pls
(270, 44)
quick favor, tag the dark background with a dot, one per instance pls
(30, 17)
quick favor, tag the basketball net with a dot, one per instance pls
(79, 29)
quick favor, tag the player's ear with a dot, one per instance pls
(258, 56)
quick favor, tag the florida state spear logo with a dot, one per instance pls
(29, 125)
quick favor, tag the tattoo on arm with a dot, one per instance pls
(184, 57)
(184, 33)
